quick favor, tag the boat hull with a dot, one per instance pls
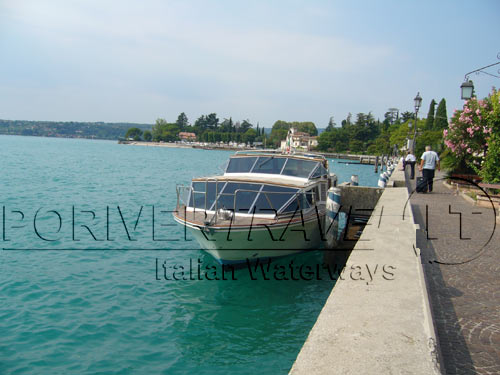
(237, 245)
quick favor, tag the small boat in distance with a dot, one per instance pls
(266, 204)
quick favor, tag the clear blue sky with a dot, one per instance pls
(98, 60)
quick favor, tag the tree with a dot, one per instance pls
(326, 140)
(245, 125)
(429, 122)
(347, 121)
(200, 124)
(405, 116)
(212, 121)
(158, 128)
(163, 131)
(331, 125)
(392, 115)
(182, 121)
(441, 121)
(249, 136)
(355, 146)
(433, 138)
(147, 136)
(134, 133)
(307, 127)
(490, 170)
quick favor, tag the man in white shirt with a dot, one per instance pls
(430, 160)
(410, 160)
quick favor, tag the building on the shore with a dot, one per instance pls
(298, 141)
(185, 136)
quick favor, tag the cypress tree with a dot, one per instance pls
(331, 125)
(429, 122)
(441, 120)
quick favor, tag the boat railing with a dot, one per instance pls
(186, 199)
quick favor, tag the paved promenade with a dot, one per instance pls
(463, 274)
(374, 322)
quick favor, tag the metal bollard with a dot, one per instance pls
(382, 180)
(332, 217)
(354, 180)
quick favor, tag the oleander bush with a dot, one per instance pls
(473, 138)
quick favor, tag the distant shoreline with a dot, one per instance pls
(360, 159)
(185, 145)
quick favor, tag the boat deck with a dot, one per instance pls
(199, 218)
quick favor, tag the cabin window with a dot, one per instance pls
(276, 165)
(299, 168)
(278, 195)
(264, 205)
(199, 189)
(309, 197)
(264, 199)
(292, 207)
(269, 165)
(245, 196)
(240, 165)
(320, 171)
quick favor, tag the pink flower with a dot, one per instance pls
(478, 112)
(469, 150)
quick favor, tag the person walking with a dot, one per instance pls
(411, 160)
(403, 162)
(428, 164)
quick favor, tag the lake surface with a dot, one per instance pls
(104, 311)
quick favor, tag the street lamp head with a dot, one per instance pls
(467, 89)
(418, 101)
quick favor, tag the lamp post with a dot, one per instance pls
(467, 87)
(418, 103)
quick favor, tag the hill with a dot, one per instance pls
(92, 130)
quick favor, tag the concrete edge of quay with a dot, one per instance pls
(377, 318)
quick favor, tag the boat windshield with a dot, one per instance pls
(275, 165)
(247, 198)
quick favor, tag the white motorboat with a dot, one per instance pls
(266, 204)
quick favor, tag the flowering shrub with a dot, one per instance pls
(470, 131)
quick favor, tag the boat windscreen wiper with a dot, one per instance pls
(265, 161)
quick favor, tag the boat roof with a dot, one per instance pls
(278, 153)
(258, 178)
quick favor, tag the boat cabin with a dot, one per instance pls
(265, 184)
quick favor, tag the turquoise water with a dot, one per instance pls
(104, 311)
